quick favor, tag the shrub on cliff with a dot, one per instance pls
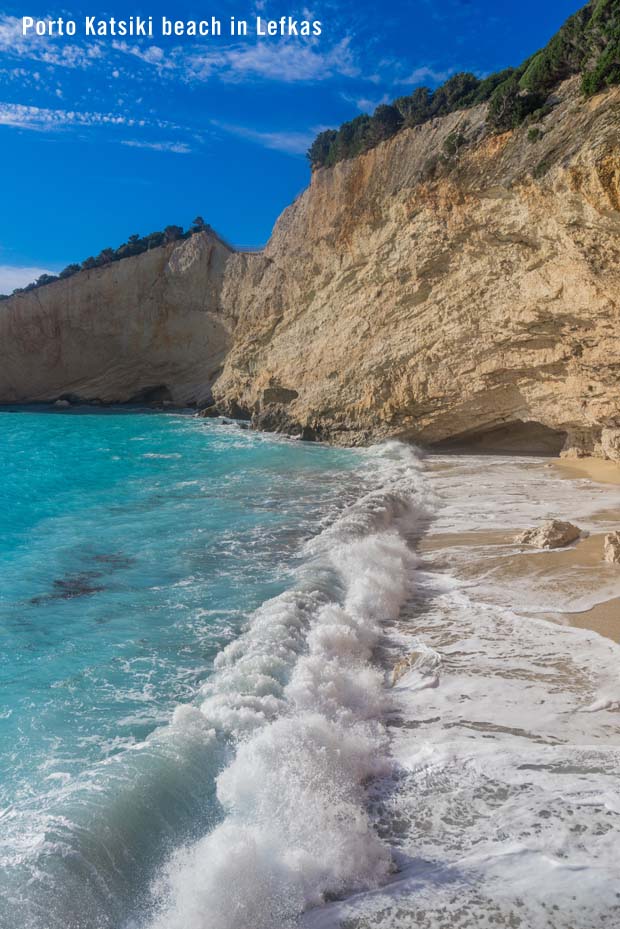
(69, 271)
(458, 92)
(45, 279)
(604, 33)
(385, 122)
(510, 104)
(588, 43)
(173, 233)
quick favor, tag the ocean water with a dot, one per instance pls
(198, 728)
(188, 712)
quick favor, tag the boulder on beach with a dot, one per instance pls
(611, 547)
(553, 534)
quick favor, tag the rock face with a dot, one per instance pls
(552, 534)
(612, 547)
(435, 300)
(408, 292)
(147, 328)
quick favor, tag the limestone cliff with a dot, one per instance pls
(415, 291)
(149, 327)
(410, 293)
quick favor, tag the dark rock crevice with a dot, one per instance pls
(519, 437)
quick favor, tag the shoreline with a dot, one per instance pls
(502, 716)
(582, 558)
(600, 470)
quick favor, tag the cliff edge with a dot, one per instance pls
(151, 327)
(435, 295)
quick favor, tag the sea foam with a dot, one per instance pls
(301, 704)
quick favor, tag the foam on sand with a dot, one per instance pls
(502, 807)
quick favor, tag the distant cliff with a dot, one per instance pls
(447, 284)
(146, 328)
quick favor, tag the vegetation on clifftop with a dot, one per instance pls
(134, 245)
(588, 44)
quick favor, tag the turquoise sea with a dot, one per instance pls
(197, 627)
(135, 548)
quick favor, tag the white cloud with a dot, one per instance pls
(419, 75)
(287, 61)
(51, 51)
(152, 55)
(178, 148)
(20, 116)
(293, 143)
(12, 277)
(365, 104)
(284, 60)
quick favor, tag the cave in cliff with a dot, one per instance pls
(518, 437)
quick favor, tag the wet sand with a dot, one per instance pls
(603, 472)
(496, 555)
(581, 565)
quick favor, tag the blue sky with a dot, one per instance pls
(101, 137)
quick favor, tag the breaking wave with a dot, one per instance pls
(299, 703)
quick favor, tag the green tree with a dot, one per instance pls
(318, 153)
(45, 279)
(154, 240)
(199, 225)
(385, 122)
(416, 108)
(69, 271)
(457, 92)
(135, 244)
(105, 256)
(172, 233)
(510, 105)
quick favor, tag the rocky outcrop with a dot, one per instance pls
(611, 548)
(149, 328)
(410, 292)
(552, 534)
(415, 295)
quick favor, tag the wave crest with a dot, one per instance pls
(298, 696)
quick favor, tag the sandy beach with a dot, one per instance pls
(596, 469)
(486, 553)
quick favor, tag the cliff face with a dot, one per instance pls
(149, 327)
(430, 297)
(415, 291)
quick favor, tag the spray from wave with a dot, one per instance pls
(298, 698)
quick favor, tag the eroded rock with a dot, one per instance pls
(553, 534)
(611, 547)
(208, 412)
